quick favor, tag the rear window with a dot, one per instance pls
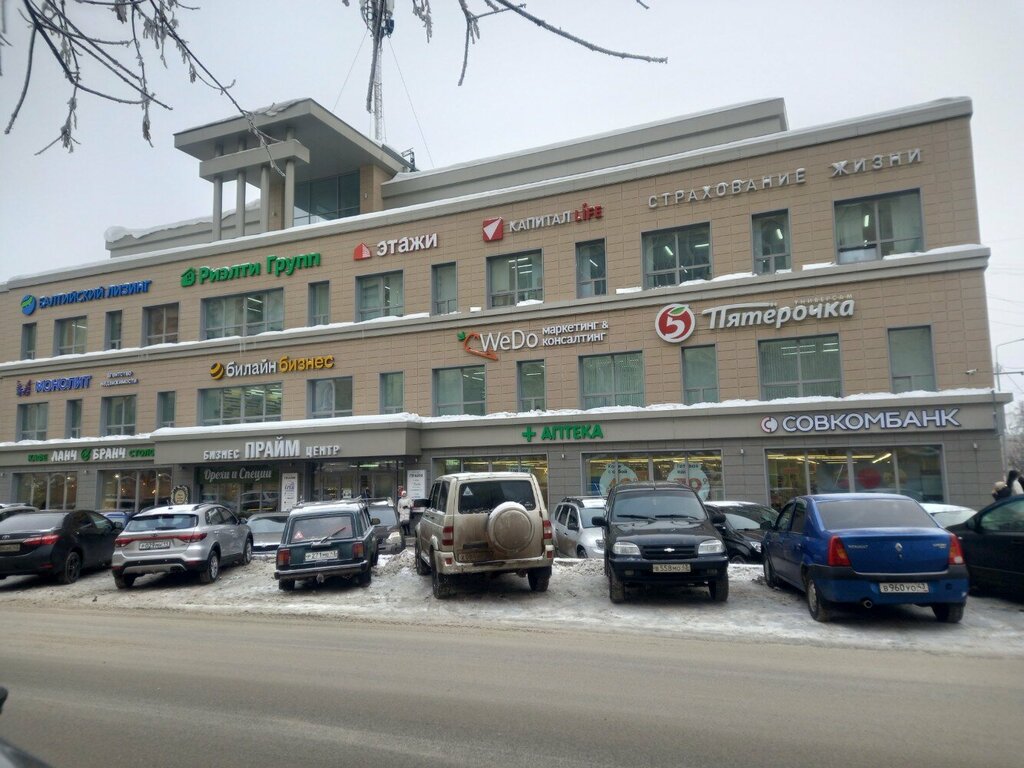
(485, 495)
(168, 522)
(268, 524)
(873, 513)
(322, 527)
(666, 504)
(28, 521)
(386, 514)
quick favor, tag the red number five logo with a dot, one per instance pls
(675, 323)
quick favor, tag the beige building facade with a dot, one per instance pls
(714, 299)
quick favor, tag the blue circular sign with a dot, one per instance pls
(28, 304)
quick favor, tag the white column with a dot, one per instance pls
(240, 196)
(265, 198)
(288, 220)
(218, 197)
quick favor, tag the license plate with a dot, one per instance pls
(914, 587)
(312, 557)
(154, 545)
(671, 567)
(9, 547)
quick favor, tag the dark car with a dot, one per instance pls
(57, 544)
(742, 527)
(993, 545)
(867, 548)
(6, 510)
(10, 755)
(660, 533)
(326, 539)
(267, 529)
(387, 528)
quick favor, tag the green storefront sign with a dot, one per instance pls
(561, 433)
(276, 266)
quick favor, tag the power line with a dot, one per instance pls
(353, 66)
(415, 117)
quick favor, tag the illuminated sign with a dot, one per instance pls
(104, 453)
(676, 322)
(276, 448)
(266, 366)
(494, 229)
(62, 384)
(30, 303)
(119, 378)
(861, 421)
(276, 266)
(557, 335)
(561, 433)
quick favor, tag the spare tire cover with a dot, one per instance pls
(510, 528)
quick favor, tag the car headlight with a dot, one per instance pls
(756, 546)
(626, 548)
(711, 547)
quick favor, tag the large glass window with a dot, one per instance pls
(700, 375)
(330, 397)
(516, 278)
(530, 374)
(591, 275)
(327, 199)
(699, 470)
(113, 331)
(166, 403)
(28, 341)
(118, 415)
(133, 490)
(392, 392)
(69, 336)
(873, 227)
(444, 289)
(73, 419)
(47, 490)
(536, 465)
(240, 405)
(320, 303)
(674, 256)
(910, 359)
(160, 325)
(32, 419)
(612, 380)
(800, 367)
(380, 296)
(459, 391)
(243, 315)
(771, 242)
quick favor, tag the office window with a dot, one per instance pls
(445, 289)
(700, 375)
(28, 341)
(160, 325)
(73, 419)
(910, 359)
(326, 199)
(800, 367)
(392, 392)
(319, 303)
(32, 421)
(771, 242)
(591, 276)
(118, 414)
(243, 315)
(330, 397)
(674, 256)
(166, 402)
(459, 391)
(873, 227)
(380, 296)
(515, 278)
(240, 405)
(612, 380)
(531, 385)
(112, 332)
(69, 336)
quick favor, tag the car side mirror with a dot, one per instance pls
(375, 521)
(767, 525)
(601, 521)
(718, 519)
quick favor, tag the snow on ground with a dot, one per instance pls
(577, 599)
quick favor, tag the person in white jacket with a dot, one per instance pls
(404, 511)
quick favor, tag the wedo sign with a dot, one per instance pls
(276, 266)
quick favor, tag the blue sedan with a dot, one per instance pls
(866, 548)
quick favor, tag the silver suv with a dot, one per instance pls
(187, 537)
(485, 522)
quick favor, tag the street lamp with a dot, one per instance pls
(999, 384)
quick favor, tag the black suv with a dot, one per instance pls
(660, 533)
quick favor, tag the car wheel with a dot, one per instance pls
(770, 579)
(285, 585)
(539, 578)
(441, 584)
(247, 552)
(211, 570)
(819, 607)
(365, 578)
(719, 589)
(71, 569)
(950, 613)
(421, 567)
(616, 588)
(123, 580)
(738, 559)
(581, 553)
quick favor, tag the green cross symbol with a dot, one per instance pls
(529, 434)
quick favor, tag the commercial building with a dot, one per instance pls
(715, 299)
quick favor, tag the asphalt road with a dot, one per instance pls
(101, 688)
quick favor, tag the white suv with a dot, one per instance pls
(485, 522)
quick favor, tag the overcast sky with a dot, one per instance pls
(524, 88)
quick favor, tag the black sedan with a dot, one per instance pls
(742, 528)
(57, 544)
(993, 545)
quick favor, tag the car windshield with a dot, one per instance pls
(747, 517)
(658, 505)
(385, 513)
(485, 495)
(267, 524)
(873, 513)
(322, 527)
(589, 513)
(170, 521)
(31, 521)
(741, 523)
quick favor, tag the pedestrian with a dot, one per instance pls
(999, 490)
(1013, 482)
(404, 512)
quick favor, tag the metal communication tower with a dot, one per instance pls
(379, 18)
